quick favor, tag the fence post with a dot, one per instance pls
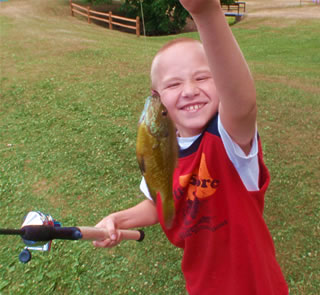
(110, 20)
(138, 26)
(88, 13)
(70, 1)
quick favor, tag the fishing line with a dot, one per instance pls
(142, 16)
(144, 28)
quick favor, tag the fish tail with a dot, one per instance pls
(168, 211)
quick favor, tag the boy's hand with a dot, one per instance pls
(115, 236)
(141, 215)
(198, 6)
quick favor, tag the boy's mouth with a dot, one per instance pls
(193, 107)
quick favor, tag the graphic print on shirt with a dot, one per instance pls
(197, 187)
(199, 183)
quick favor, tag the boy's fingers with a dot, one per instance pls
(104, 244)
(111, 229)
(108, 224)
(99, 244)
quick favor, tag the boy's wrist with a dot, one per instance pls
(207, 13)
(115, 219)
(120, 219)
(205, 10)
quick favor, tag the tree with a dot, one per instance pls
(226, 2)
(161, 17)
(98, 1)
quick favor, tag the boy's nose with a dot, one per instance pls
(190, 89)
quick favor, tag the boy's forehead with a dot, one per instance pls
(171, 57)
(176, 51)
(186, 46)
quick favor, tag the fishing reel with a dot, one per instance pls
(36, 218)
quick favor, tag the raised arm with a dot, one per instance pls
(230, 71)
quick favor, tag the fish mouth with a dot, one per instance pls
(193, 107)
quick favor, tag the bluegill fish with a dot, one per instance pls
(157, 153)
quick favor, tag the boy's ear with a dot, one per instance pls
(154, 92)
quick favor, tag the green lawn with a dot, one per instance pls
(71, 96)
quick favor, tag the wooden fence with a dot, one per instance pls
(105, 17)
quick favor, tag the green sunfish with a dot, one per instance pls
(157, 153)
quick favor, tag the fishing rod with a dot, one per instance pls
(39, 229)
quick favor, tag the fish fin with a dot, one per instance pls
(142, 167)
(153, 193)
(141, 164)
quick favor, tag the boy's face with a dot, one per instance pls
(182, 77)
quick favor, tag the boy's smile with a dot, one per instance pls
(193, 108)
(184, 81)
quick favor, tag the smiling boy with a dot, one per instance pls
(188, 92)
(220, 180)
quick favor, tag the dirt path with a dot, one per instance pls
(283, 9)
(26, 9)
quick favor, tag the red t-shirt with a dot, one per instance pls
(227, 246)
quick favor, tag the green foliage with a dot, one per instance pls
(227, 2)
(93, 2)
(161, 17)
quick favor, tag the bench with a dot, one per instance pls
(238, 16)
(234, 6)
(241, 5)
(234, 9)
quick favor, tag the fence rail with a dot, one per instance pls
(105, 17)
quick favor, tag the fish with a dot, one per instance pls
(157, 153)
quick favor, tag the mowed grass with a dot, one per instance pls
(71, 96)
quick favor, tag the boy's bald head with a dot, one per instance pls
(157, 59)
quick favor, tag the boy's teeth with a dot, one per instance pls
(193, 107)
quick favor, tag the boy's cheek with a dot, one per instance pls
(167, 99)
(172, 114)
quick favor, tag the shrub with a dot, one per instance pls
(161, 17)
(227, 1)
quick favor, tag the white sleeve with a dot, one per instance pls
(144, 188)
(247, 166)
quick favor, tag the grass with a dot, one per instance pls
(71, 95)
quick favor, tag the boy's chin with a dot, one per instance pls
(193, 128)
(200, 121)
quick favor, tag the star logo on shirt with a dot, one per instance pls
(199, 183)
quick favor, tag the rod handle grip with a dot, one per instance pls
(100, 234)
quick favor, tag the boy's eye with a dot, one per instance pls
(173, 85)
(202, 78)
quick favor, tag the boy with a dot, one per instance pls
(220, 180)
